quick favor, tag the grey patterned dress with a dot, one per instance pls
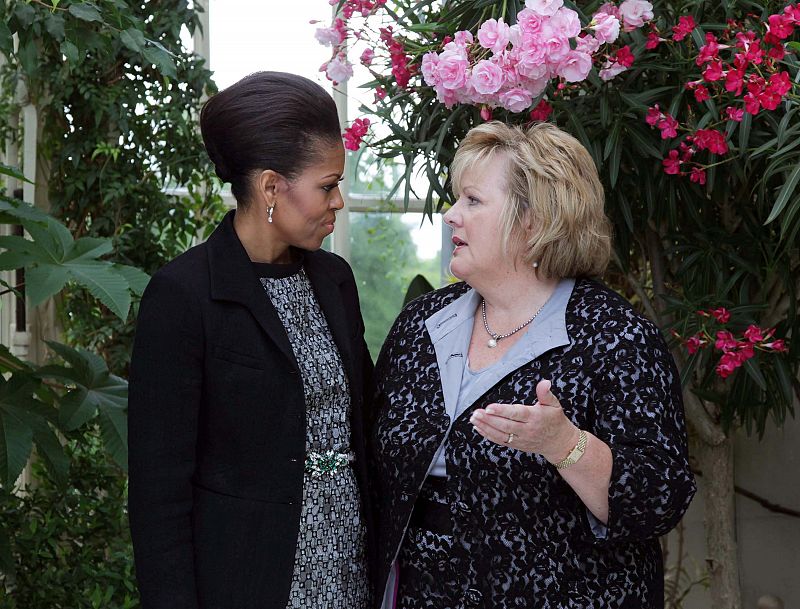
(330, 562)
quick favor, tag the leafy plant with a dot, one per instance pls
(117, 98)
(70, 545)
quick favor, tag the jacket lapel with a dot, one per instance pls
(450, 330)
(326, 281)
(233, 279)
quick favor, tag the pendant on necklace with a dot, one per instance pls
(492, 343)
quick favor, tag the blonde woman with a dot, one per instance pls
(530, 445)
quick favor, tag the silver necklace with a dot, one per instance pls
(492, 342)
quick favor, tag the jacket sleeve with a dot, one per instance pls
(163, 406)
(639, 409)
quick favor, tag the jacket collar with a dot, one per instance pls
(549, 332)
(458, 312)
(232, 278)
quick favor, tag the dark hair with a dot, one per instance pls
(267, 120)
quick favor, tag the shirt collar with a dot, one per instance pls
(549, 330)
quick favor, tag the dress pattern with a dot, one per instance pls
(521, 536)
(330, 561)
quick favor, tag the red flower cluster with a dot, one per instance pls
(735, 351)
(685, 26)
(624, 57)
(740, 70)
(365, 7)
(653, 40)
(400, 60)
(662, 120)
(353, 135)
(541, 111)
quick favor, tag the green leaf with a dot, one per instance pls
(744, 131)
(85, 12)
(137, 279)
(754, 371)
(425, 27)
(8, 170)
(6, 39)
(29, 57)
(10, 362)
(76, 409)
(70, 51)
(114, 431)
(48, 448)
(16, 437)
(94, 387)
(7, 566)
(25, 14)
(89, 248)
(161, 59)
(51, 237)
(133, 39)
(108, 286)
(418, 286)
(43, 281)
(55, 26)
(785, 193)
(84, 366)
(580, 132)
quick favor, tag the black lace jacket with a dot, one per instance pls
(522, 536)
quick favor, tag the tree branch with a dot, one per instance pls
(702, 422)
(655, 256)
(765, 503)
(637, 287)
(14, 289)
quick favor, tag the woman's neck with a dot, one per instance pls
(515, 293)
(257, 241)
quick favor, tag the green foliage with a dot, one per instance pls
(118, 121)
(51, 258)
(32, 407)
(679, 247)
(384, 260)
(71, 548)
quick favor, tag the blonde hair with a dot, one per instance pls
(553, 186)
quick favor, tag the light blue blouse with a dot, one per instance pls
(451, 329)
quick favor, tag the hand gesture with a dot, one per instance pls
(541, 427)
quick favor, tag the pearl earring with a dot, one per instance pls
(269, 214)
(536, 265)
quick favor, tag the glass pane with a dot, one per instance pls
(387, 251)
(252, 35)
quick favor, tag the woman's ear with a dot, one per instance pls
(269, 184)
(528, 225)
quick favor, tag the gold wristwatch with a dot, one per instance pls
(576, 453)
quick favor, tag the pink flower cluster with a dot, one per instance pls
(735, 351)
(365, 7)
(338, 68)
(353, 135)
(739, 71)
(509, 66)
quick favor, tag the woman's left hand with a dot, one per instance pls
(541, 428)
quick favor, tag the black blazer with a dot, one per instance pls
(217, 427)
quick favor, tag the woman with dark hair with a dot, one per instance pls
(249, 368)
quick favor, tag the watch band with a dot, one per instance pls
(576, 453)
